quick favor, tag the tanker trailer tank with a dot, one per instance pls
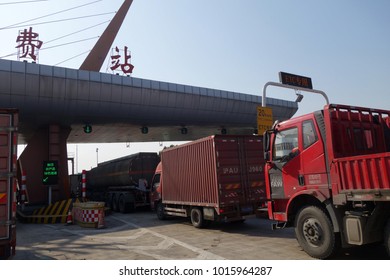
(123, 183)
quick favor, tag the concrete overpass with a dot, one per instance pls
(118, 106)
(55, 104)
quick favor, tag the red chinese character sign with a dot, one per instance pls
(121, 64)
(29, 44)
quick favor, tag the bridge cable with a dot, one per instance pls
(55, 13)
(22, 2)
(72, 57)
(90, 27)
(59, 20)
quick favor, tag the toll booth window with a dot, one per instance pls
(309, 134)
(285, 143)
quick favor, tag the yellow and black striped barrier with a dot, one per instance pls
(51, 214)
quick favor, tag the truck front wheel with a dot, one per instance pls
(160, 211)
(314, 232)
(197, 217)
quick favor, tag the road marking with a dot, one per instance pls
(168, 241)
(148, 250)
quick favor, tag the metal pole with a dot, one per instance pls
(50, 190)
(84, 184)
(77, 159)
(263, 101)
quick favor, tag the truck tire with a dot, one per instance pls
(160, 211)
(197, 218)
(122, 204)
(387, 237)
(314, 232)
(109, 202)
(115, 204)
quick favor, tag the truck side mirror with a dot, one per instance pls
(266, 140)
(266, 146)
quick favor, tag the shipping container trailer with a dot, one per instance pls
(211, 179)
(8, 165)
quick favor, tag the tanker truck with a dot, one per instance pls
(123, 183)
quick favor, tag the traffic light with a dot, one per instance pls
(87, 128)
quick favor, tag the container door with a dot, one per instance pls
(240, 171)
(228, 170)
(252, 166)
(5, 176)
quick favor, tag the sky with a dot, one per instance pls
(343, 45)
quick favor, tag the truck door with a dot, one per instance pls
(312, 156)
(283, 170)
(297, 161)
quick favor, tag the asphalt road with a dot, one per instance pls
(141, 236)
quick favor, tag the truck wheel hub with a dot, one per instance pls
(312, 232)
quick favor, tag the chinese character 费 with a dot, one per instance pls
(28, 43)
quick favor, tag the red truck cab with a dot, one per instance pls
(155, 194)
(296, 165)
(327, 174)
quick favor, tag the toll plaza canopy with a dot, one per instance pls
(116, 108)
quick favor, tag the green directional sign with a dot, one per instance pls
(50, 172)
(87, 128)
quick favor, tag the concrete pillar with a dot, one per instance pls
(48, 143)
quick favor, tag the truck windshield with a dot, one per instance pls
(285, 142)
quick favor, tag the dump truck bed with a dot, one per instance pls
(359, 152)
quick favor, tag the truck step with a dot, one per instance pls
(175, 212)
(262, 213)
